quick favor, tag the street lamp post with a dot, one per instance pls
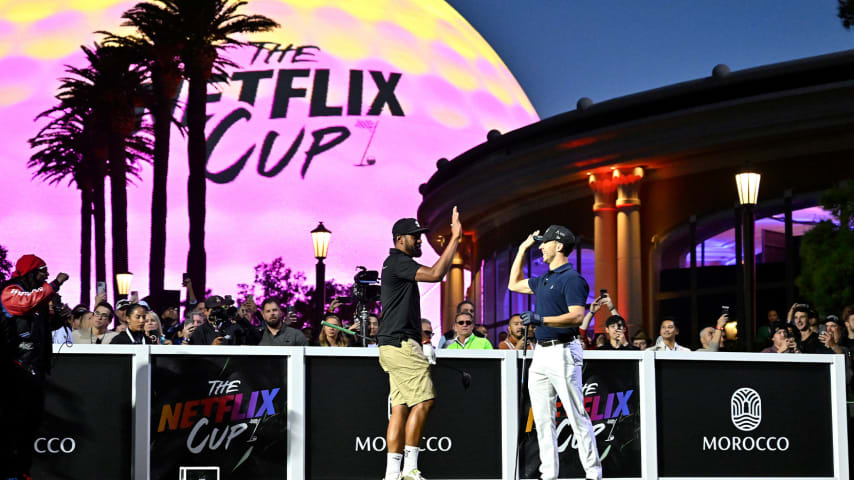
(123, 283)
(320, 237)
(747, 182)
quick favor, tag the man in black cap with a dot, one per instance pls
(403, 354)
(223, 327)
(561, 295)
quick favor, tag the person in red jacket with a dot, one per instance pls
(26, 324)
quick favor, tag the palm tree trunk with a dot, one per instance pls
(85, 244)
(162, 112)
(118, 206)
(197, 156)
(99, 204)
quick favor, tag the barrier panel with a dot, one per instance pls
(88, 421)
(611, 390)
(747, 415)
(166, 412)
(349, 407)
(227, 410)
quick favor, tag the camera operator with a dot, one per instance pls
(224, 327)
(25, 354)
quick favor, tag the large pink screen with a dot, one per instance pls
(431, 87)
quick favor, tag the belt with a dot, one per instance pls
(551, 343)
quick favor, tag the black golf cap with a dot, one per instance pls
(559, 233)
(407, 226)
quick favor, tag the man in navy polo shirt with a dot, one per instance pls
(556, 369)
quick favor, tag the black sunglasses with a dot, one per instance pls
(465, 322)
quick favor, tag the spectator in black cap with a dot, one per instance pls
(782, 339)
(121, 315)
(831, 338)
(224, 326)
(207, 333)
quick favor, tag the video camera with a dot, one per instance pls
(366, 286)
(223, 314)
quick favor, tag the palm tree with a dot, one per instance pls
(156, 48)
(207, 30)
(67, 153)
(110, 88)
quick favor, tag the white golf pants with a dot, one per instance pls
(556, 370)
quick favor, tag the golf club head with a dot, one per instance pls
(466, 379)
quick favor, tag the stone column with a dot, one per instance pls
(452, 291)
(604, 241)
(629, 277)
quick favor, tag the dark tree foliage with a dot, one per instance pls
(275, 279)
(827, 255)
(5, 264)
(846, 13)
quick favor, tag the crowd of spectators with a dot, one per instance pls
(218, 321)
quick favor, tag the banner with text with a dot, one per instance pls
(348, 411)
(743, 419)
(612, 399)
(87, 429)
(219, 410)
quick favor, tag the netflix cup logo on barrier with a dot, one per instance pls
(210, 420)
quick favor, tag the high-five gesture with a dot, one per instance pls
(456, 226)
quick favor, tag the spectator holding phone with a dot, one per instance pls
(154, 329)
(782, 340)
(830, 336)
(615, 327)
(182, 336)
(712, 338)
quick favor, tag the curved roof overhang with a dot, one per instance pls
(761, 114)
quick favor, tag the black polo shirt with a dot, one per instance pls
(400, 299)
(555, 292)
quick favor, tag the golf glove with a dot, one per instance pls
(531, 318)
(429, 353)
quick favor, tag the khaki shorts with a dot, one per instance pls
(408, 373)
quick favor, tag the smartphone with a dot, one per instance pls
(345, 300)
(101, 289)
(724, 309)
(184, 278)
(250, 298)
(291, 310)
(134, 296)
(603, 293)
(821, 329)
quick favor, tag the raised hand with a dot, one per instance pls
(456, 226)
(529, 241)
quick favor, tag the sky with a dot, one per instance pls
(562, 50)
